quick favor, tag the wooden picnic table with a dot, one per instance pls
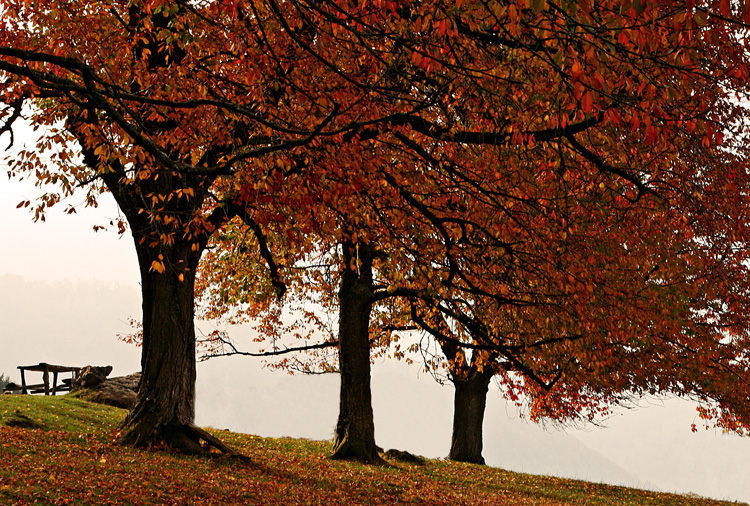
(45, 369)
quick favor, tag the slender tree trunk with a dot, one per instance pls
(355, 430)
(470, 400)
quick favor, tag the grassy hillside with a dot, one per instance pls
(59, 450)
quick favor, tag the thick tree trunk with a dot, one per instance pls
(355, 430)
(168, 256)
(160, 216)
(470, 400)
(165, 406)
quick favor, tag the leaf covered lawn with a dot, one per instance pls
(70, 458)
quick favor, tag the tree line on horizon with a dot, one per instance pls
(554, 191)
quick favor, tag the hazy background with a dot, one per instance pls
(66, 292)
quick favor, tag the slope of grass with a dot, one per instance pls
(64, 413)
(70, 458)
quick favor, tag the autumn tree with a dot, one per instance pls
(343, 280)
(608, 254)
(584, 166)
(580, 163)
(569, 155)
(172, 108)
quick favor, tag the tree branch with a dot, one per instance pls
(235, 351)
(8, 125)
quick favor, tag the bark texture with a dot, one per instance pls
(355, 430)
(471, 378)
(164, 212)
(165, 404)
(469, 402)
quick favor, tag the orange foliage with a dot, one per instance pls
(566, 180)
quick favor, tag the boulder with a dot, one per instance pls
(91, 376)
(119, 392)
(403, 456)
(12, 388)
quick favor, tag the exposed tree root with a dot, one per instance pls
(361, 452)
(185, 438)
(214, 441)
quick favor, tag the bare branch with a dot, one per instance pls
(235, 351)
(8, 125)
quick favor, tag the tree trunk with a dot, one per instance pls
(355, 430)
(165, 406)
(470, 400)
(169, 246)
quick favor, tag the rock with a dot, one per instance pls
(403, 456)
(91, 376)
(119, 392)
(12, 388)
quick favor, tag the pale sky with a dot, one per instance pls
(66, 292)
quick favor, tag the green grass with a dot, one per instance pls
(63, 413)
(71, 458)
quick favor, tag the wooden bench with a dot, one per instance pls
(44, 387)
